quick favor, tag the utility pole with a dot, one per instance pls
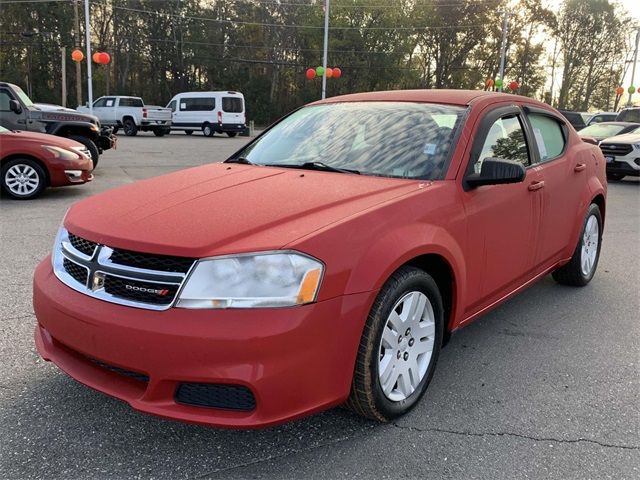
(77, 42)
(63, 59)
(633, 66)
(503, 45)
(326, 47)
(553, 71)
(88, 39)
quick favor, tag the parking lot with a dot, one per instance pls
(545, 386)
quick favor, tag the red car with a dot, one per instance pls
(30, 162)
(325, 262)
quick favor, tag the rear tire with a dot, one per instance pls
(208, 130)
(93, 149)
(398, 343)
(188, 132)
(130, 128)
(616, 177)
(584, 262)
(160, 133)
(232, 134)
(23, 179)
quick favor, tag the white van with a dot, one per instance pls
(211, 112)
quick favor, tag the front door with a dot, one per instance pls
(503, 220)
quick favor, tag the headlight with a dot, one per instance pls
(270, 279)
(61, 153)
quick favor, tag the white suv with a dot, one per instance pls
(622, 154)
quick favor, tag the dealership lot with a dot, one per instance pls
(545, 386)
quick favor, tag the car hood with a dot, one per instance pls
(624, 138)
(40, 139)
(227, 208)
(62, 116)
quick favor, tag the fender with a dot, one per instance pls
(87, 129)
(399, 247)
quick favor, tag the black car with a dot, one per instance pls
(17, 112)
(630, 114)
(603, 130)
(575, 118)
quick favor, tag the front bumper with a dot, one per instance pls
(63, 172)
(627, 165)
(295, 361)
(106, 139)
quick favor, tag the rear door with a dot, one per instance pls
(503, 220)
(564, 177)
(232, 109)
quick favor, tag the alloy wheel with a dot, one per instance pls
(22, 180)
(590, 240)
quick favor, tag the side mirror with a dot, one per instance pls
(496, 171)
(15, 106)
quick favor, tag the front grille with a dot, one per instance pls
(140, 291)
(163, 263)
(619, 149)
(140, 377)
(78, 272)
(229, 397)
(85, 246)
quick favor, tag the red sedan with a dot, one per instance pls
(326, 262)
(31, 162)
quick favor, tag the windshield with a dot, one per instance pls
(24, 98)
(601, 130)
(404, 140)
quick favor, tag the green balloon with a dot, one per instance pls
(319, 71)
(631, 90)
(498, 83)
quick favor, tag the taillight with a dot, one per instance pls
(220, 118)
(144, 113)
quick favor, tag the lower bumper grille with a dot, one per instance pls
(140, 377)
(229, 397)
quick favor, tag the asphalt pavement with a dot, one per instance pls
(545, 386)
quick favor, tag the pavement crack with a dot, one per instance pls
(517, 435)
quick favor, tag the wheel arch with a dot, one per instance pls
(13, 156)
(601, 203)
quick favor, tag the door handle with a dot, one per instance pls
(536, 186)
(580, 167)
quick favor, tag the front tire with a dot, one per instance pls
(399, 347)
(582, 266)
(93, 149)
(23, 179)
(130, 128)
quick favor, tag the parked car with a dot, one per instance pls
(622, 154)
(18, 112)
(577, 119)
(50, 107)
(132, 115)
(211, 112)
(600, 117)
(30, 162)
(603, 130)
(630, 114)
(325, 262)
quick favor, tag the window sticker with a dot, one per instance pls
(429, 149)
(540, 141)
(109, 103)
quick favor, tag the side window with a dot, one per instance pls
(4, 101)
(100, 103)
(198, 104)
(109, 102)
(505, 140)
(548, 135)
(172, 105)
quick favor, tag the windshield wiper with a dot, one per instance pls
(241, 160)
(314, 166)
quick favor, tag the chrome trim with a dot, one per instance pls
(100, 263)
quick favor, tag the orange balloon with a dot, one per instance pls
(337, 73)
(329, 72)
(96, 57)
(619, 91)
(105, 58)
(77, 55)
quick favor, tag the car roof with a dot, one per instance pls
(451, 97)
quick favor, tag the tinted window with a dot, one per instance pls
(505, 140)
(4, 101)
(232, 104)
(99, 103)
(201, 104)
(131, 102)
(631, 115)
(548, 135)
(172, 105)
(376, 138)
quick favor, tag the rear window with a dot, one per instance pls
(232, 104)
(548, 134)
(199, 104)
(131, 102)
(631, 115)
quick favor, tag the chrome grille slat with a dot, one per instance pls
(116, 282)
